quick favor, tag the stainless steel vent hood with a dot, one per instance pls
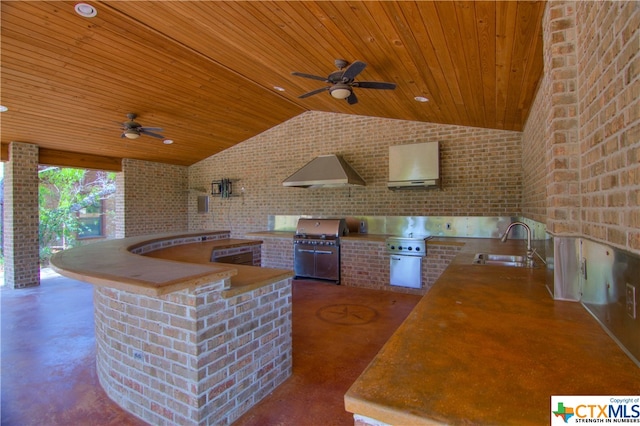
(414, 166)
(325, 171)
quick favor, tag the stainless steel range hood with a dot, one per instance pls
(325, 171)
(414, 166)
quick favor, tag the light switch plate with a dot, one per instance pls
(631, 300)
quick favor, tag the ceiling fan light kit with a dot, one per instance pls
(340, 91)
(131, 134)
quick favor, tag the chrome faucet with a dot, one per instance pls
(506, 235)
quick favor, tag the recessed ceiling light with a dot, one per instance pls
(3, 108)
(85, 10)
(278, 88)
(421, 99)
(167, 141)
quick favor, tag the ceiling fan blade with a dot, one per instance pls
(311, 76)
(314, 92)
(153, 135)
(375, 85)
(352, 99)
(353, 70)
(150, 128)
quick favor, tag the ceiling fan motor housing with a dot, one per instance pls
(336, 77)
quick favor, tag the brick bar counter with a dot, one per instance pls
(179, 342)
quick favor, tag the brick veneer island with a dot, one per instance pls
(184, 342)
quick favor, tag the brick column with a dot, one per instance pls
(563, 158)
(151, 198)
(21, 219)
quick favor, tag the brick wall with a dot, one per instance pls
(563, 198)
(535, 137)
(150, 198)
(481, 172)
(587, 117)
(20, 217)
(193, 357)
(277, 253)
(609, 87)
(255, 250)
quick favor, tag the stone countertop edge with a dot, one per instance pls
(484, 340)
(111, 264)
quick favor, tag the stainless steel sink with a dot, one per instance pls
(502, 260)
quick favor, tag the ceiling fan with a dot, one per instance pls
(133, 130)
(343, 81)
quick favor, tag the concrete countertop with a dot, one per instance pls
(111, 264)
(247, 277)
(199, 252)
(488, 345)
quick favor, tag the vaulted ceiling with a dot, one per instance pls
(208, 72)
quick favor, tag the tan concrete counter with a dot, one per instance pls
(199, 252)
(246, 278)
(112, 264)
(488, 345)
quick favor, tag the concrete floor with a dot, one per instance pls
(47, 354)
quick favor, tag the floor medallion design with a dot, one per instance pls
(347, 314)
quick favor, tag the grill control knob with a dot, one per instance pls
(410, 248)
(399, 247)
(393, 247)
(417, 248)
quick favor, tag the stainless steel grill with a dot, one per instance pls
(316, 248)
(321, 229)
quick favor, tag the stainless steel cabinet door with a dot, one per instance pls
(327, 263)
(406, 271)
(304, 260)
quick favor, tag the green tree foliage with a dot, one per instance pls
(62, 193)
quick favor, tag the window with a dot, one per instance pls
(90, 220)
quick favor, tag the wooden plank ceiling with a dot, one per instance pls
(206, 71)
